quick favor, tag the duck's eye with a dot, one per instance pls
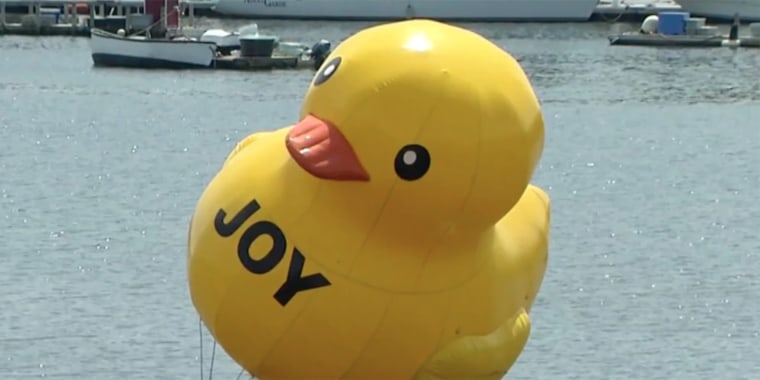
(328, 70)
(412, 162)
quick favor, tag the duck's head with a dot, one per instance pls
(423, 113)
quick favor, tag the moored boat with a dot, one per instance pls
(445, 10)
(109, 49)
(679, 29)
(723, 10)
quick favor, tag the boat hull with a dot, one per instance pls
(116, 60)
(112, 50)
(444, 10)
(723, 10)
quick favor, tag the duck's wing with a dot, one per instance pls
(524, 236)
(485, 357)
(525, 230)
(249, 141)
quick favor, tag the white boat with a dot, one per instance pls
(224, 40)
(748, 10)
(444, 10)
(110, 49)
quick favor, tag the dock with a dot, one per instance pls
(24, 29)
(631, 10)
(684, 41)
(77, 17)
(238, 63)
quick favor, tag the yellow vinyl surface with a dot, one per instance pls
(418, 259)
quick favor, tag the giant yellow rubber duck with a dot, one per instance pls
(391, 233)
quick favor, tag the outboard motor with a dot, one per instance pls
(319, 53)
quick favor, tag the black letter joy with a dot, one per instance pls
(294, 283)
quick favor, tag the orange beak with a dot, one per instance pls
(322, 150)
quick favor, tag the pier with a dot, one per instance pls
(238, 63)
(76, 17)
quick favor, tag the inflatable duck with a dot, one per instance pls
(391, 233)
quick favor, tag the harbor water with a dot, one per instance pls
(652, 160)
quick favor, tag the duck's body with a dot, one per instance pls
(313, 259)
(368, 322)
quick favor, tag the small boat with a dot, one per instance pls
(109, 49)
(158, 40)
(214, 48)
